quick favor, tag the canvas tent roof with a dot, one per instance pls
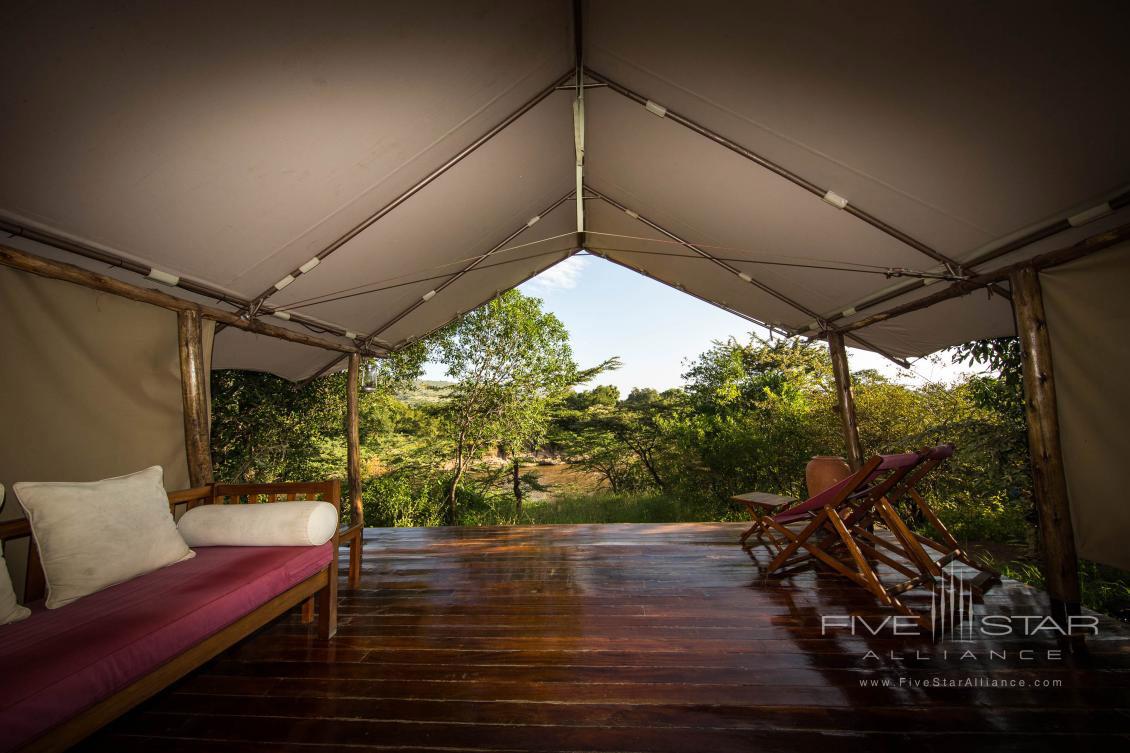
(231, 145)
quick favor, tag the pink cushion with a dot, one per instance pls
(59, 662)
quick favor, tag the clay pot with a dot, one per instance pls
(823, 471)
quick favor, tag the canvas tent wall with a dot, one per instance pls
(367, 172)
(1091, 382)
(91, 385)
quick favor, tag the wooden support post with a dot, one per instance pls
(1049, 483)
(326, 600)
(845, 400)
(197, 439)
(353, 439)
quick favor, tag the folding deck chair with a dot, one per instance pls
(773, 513)
(833, 515)
(839, 531)
(914, 547)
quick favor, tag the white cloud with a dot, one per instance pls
(562, 276)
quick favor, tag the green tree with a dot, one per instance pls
(584, 430)
(602, 396)
(265, 428)
(641, 422)
(511, 361)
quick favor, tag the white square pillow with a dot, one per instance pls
(10, 609)
(93, 535)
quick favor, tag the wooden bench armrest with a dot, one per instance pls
(280, 489)
(14, 529)
(764, 500)
(329, 491)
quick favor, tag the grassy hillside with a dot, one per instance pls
(425, 392)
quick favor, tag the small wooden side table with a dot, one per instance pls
(761, 503)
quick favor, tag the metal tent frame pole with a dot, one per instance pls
(1120, 201)
(416, 338)
(409, 341)
(369, 221)
(965, 287)
(704, 254)
(601, 253)
(1045, 231)
(368, 339)
(823, 193)
(205, 289)
(458, 275)
(736, 272)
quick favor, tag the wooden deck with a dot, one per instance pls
(622, 638)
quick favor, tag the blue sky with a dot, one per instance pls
(612, 311)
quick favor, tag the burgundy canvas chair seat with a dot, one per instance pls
(60, 662)
(835, 515)
(853, 487)
(840, 532)
(931, 557)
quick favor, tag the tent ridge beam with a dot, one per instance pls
(57, 270)
(824, 194)
(1078, 250)
(579, 110)
(255, 305)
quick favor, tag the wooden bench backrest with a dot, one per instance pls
(35, 585)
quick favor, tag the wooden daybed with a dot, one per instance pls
(70, 671)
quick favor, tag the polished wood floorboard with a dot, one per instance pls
(627, 638)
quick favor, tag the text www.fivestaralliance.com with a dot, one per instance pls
(957, 682)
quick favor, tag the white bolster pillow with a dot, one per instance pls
(264, 524)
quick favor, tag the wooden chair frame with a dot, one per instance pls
(776, 536)
(319, 592)
(916, 548)
(852, 549)
(828, 536)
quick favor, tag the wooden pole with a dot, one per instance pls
(57, 270)
(1049, 482)
(353, 437)
(845, 399)
(197, 439)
